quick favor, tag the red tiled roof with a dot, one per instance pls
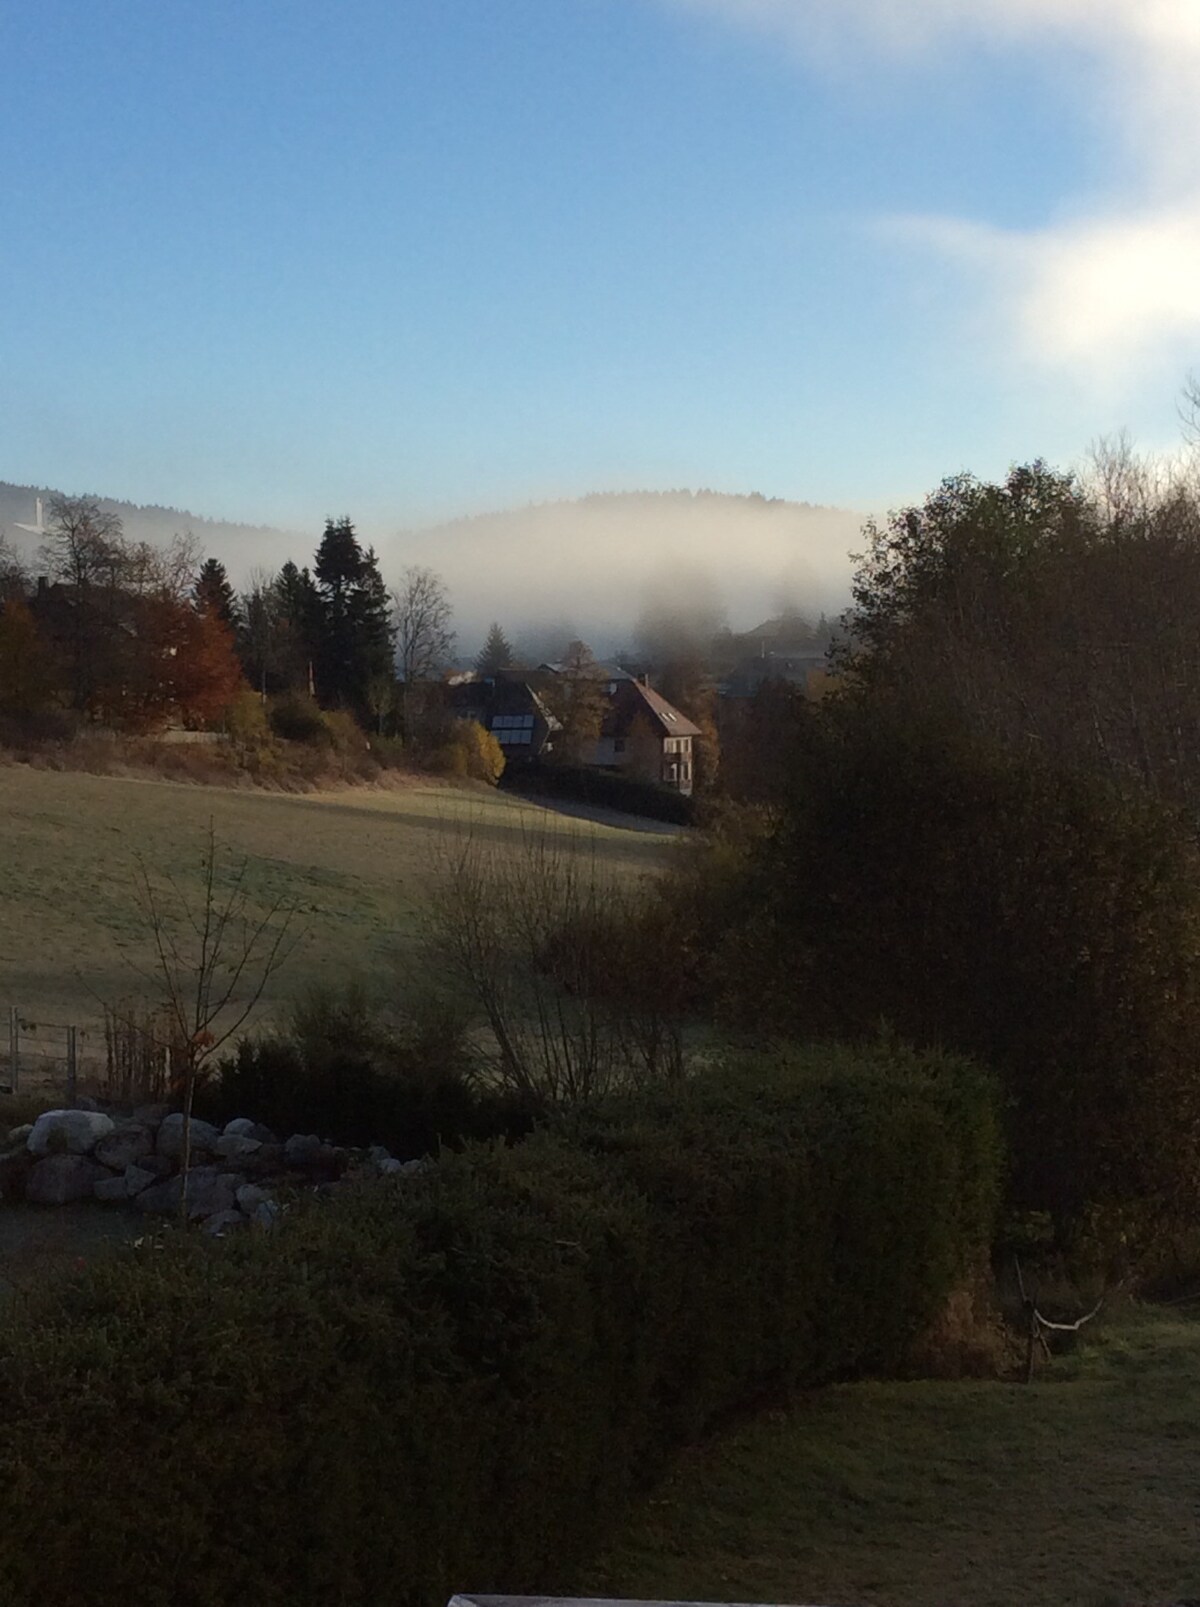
(632, 695)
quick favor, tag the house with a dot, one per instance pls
(641, 735)
(645, 737)
(508, 707)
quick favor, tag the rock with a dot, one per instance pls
(138, 1178)
(302, 1149)
(378, 1154)
(151, 1115)
(264, 1214)
(413, 1168)
(206, 1192)
(112, 1188)
(77, 1132)
(86, 1102)
(59, 1179)
(236, 1146)
(250, 1195)
(18, 1135)
(222, 1222)
(389, 1167)
(127, 1145)
(170, 1137)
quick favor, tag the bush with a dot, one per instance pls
(606, 789)
(246, 720)
(296, 718)
(468, 753)
(1040, 921)
(354, 1078)
(454, 1381)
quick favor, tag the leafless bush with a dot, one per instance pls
(539, 941)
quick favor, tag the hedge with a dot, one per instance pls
(608, 789)
(455, 1382)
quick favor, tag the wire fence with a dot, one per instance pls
(125, 1057)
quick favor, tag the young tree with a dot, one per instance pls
(215, 952)
(496, 653)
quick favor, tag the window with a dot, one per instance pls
(618, 744)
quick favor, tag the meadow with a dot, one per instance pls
(359, 866)
(1080, 1490)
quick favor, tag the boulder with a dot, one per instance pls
(59, 1179)
(112, 1188)
(250, 1195)
(302, 1150)
(243, 1127)
(125, 1146)
(236, 1147)
(208, 1191)
(222, 1222)
(169, 1142)
(151, 1115)
(389, 1167)
(77, 1132)
(18, 1135)
(138, 1178)
(264, 1214)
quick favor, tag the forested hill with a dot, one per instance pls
(239, 546)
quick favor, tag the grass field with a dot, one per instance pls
(359, 865)
(1082, 1490)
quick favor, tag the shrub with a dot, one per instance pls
(355, 1077)
(469, 753)
(606, 789)
(296, 718)
(1041, 921)
(454, 1381)
(246, 720)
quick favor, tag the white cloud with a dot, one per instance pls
(1107, 292)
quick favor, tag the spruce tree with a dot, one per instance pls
(496, 653)
(212, 593)
(355, 631)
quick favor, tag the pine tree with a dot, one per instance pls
(212, 593)
(496, 653)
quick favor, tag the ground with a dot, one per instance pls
(1081, 1490)
(360, 866)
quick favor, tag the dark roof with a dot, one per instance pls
(632, 697)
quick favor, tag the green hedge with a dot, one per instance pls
(608, 789)
(454, 1382)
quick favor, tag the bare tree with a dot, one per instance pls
(85, 551)
(424, 639)
(215, 952)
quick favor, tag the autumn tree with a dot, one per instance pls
(577, 696)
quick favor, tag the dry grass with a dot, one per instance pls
(1082, 1490)
(357, 863)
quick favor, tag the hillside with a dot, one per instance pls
(239, 546)
(588, 566)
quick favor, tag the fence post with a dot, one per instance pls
(14, 1046)
(71, 1066)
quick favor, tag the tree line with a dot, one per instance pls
(127, 635)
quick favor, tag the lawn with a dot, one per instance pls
(359, 866)
(1082, 1490)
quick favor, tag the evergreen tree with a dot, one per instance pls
(212, 593)
(354, 638)
(496, 653)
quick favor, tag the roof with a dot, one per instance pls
(631, 697)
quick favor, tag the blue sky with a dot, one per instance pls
(276, 259)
